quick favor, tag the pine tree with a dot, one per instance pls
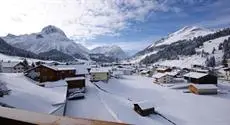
(33, 65)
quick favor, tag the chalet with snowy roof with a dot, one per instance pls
(145, 72)
(44, 73)
(203, 89)
(12, 67)
(162, 78)
(163, 69)
(144, 108)
(200, 78)
(99, 74)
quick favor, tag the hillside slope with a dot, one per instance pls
(204, 47)
(186, 33)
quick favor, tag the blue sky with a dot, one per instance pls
(210, 14)
(131, 24)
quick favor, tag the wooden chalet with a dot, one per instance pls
(200, 78)
(203, 89)
(44, 73)
(144, 108)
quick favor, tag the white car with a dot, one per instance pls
(76, 95)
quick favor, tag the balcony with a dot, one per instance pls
(10, 116)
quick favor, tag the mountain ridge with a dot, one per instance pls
(113, 51)
(48, 39)
(185, 33)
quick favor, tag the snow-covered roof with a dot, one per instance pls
(117, 72)
(173, 73)
(159, 75)
(195, 75)
(55, 84)
(162, 68)
(61, 67)
(9, 64)
(74, 78)
(145, 71)
(204, 86)
(145, 105)
(94, 70)
(81, 69)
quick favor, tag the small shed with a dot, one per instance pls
(203, 89)
(200, 78)
(144, 108)
(75, 84)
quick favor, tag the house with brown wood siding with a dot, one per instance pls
(44, 73)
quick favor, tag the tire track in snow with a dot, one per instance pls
(113, 114)
(131, 102)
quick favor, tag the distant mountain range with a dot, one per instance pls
(112, 51)
(7, 49)
(52, 43)
(50, 38)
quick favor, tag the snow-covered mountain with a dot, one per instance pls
(186, 33)
(49, 38)
(113, 51)
(203, 50)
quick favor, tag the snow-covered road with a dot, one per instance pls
(89, 107)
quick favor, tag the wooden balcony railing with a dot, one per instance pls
(10, 116)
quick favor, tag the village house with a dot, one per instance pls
(203, 89)
(163, 69)
(200, 78)
(162, 78)
(12, 67)
(145, 72)
(99, 74)
(44, 73)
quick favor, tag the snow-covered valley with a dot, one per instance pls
(115, 103)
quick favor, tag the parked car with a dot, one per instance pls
(76, 95)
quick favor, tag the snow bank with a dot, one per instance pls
(27, 95)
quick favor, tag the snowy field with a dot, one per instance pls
(113, 101)
(6, 58)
